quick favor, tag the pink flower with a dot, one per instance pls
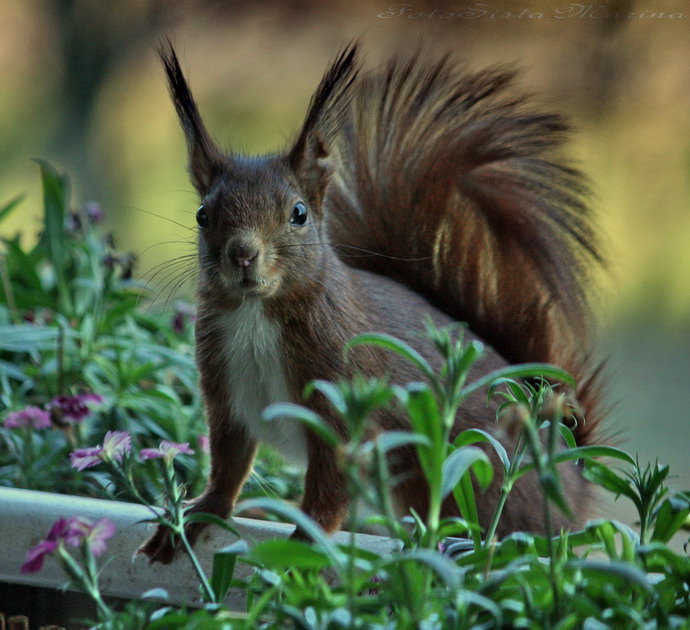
(103, 529)
(204, 444)
(74, 408)
(166, 450)
(116, 444)
(84, 458)
(72, 531)
(33, 417)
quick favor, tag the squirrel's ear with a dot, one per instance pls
(308, 157)
(205, 159)
(309, 160)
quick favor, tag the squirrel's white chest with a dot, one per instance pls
(255, 372)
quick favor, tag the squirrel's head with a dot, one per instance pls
(260, 220)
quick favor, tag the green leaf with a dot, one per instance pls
(472, 436)
(288, 554)
(211, 519)
(459, 462)
(595, 532)
(567, 436)
(670, 517)
(525, 370)
(463, 493)
(29, 338)
(475, 599)
(396, 345)
(55, 202)
(517, 393)
(391, 440)
(331, 391)
(442, 566)
(424, 413)
(7, 209)
(659, 558)
(156, 593)
(425, 417)
(224, 567)
(306, 416)
(586, 452)
(307, 525)
(469, 356)
(605, 477)
(600, 570)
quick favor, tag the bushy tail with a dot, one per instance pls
(452, 186)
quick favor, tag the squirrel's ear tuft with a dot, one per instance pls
(205, 159)
(308, 157)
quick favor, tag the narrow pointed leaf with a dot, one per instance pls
(294, 515)
(459, 462)
(306, 416)
(396, 345)
(224, 561)
(7, 209)
(526, 370)
(442, 566)
(583, 452)
(472, 436)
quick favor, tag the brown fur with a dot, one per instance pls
(429, 193)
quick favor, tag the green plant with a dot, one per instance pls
(83, 363)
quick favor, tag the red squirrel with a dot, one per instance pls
(412, 191)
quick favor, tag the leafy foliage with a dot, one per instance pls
(71, 325)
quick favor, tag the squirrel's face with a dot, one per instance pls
(260, 228)
(258, 231)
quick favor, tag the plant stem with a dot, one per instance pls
(548, 525)
(205, 584)
(503, 497)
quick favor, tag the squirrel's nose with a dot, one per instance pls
(242, 254)
(244, 260)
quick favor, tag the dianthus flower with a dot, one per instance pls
(116, 444)
(166, 450)
(74, 408)
(32, 417)
(72, 531)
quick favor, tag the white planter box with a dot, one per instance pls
(26, 516)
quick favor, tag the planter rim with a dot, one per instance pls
(27, 515)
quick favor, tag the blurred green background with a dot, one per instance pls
(82, 88)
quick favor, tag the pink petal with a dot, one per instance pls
(172, 449)
(77, 529)
(116, 444)
(58, 530)
(36, 555)
(150, 453)
(103, 529)
(86, 457)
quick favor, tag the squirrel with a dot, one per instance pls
(412, 191)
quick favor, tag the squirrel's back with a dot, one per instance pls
(451, 184)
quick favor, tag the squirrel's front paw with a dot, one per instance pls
(163, 546)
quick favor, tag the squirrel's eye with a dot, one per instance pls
(202, 217)
(299, 214)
